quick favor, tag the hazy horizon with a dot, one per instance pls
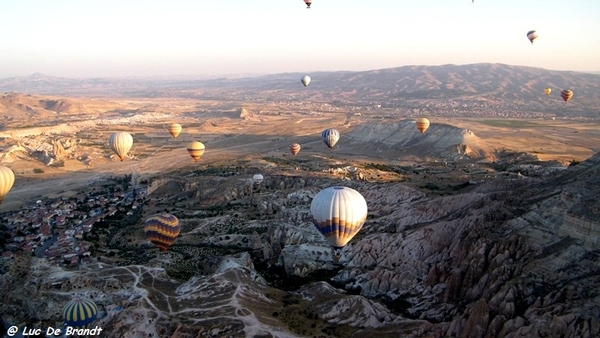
(185, 38)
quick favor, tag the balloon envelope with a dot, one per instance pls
(162, 230)
(547, 90)
(80, 312)
(295, 148)
(338, 213)
(120, 143)
(196, 150)
(7, 179)
(532, 35)
(175, 129)
(566, 94)
(258, 178)
(422, 124)
(305, 80)
(330, 137)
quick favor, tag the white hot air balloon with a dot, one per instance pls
(257, 179)
(120, 143)
(330, 137)
(305, 80)
(338, 213)
(532, 35)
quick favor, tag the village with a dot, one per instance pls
(56, 228)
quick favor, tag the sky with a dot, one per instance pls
(122, 38)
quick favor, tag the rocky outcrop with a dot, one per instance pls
(440, 140)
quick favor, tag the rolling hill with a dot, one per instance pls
(484, 83)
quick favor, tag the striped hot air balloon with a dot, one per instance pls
(330, 137)
(7, 179)
(566, 94)
(175, 129)
(422, 124)
(338, 213)
(120, 143)
(295, 148)
(162, 229)
(196, 150)
(80, 313)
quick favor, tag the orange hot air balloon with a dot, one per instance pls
(566, 94)
(175, 129)
(422, 124)
(295, 148)
(195, 149)
(162, 230)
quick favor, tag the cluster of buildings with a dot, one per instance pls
(55, 228)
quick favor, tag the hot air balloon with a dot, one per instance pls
(547, 90)
(295, 148)
(79, 313)
(308, 3)
(422, 124)
(175, 129)
(257, 179)
(305, 80)
(195, 149)
(330, 137)
(566, 94)
(7, 179)
(162, 229)
(120, 143)
(532, 35)
(338, 213)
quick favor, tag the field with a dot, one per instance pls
(231, 134)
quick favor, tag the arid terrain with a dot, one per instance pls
(486, 225)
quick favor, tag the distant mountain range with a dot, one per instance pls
(484, 82)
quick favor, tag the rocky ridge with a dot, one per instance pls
(505, 259)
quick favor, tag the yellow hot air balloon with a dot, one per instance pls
(120, 143)
(175, 129)
(547, 90)
(7, 179)
(422, 124)
(295, 148)
(196, 149)
(162, 230)
(338, 213)
(80, 313)
(566, 94)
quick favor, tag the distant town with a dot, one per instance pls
(57, 228)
